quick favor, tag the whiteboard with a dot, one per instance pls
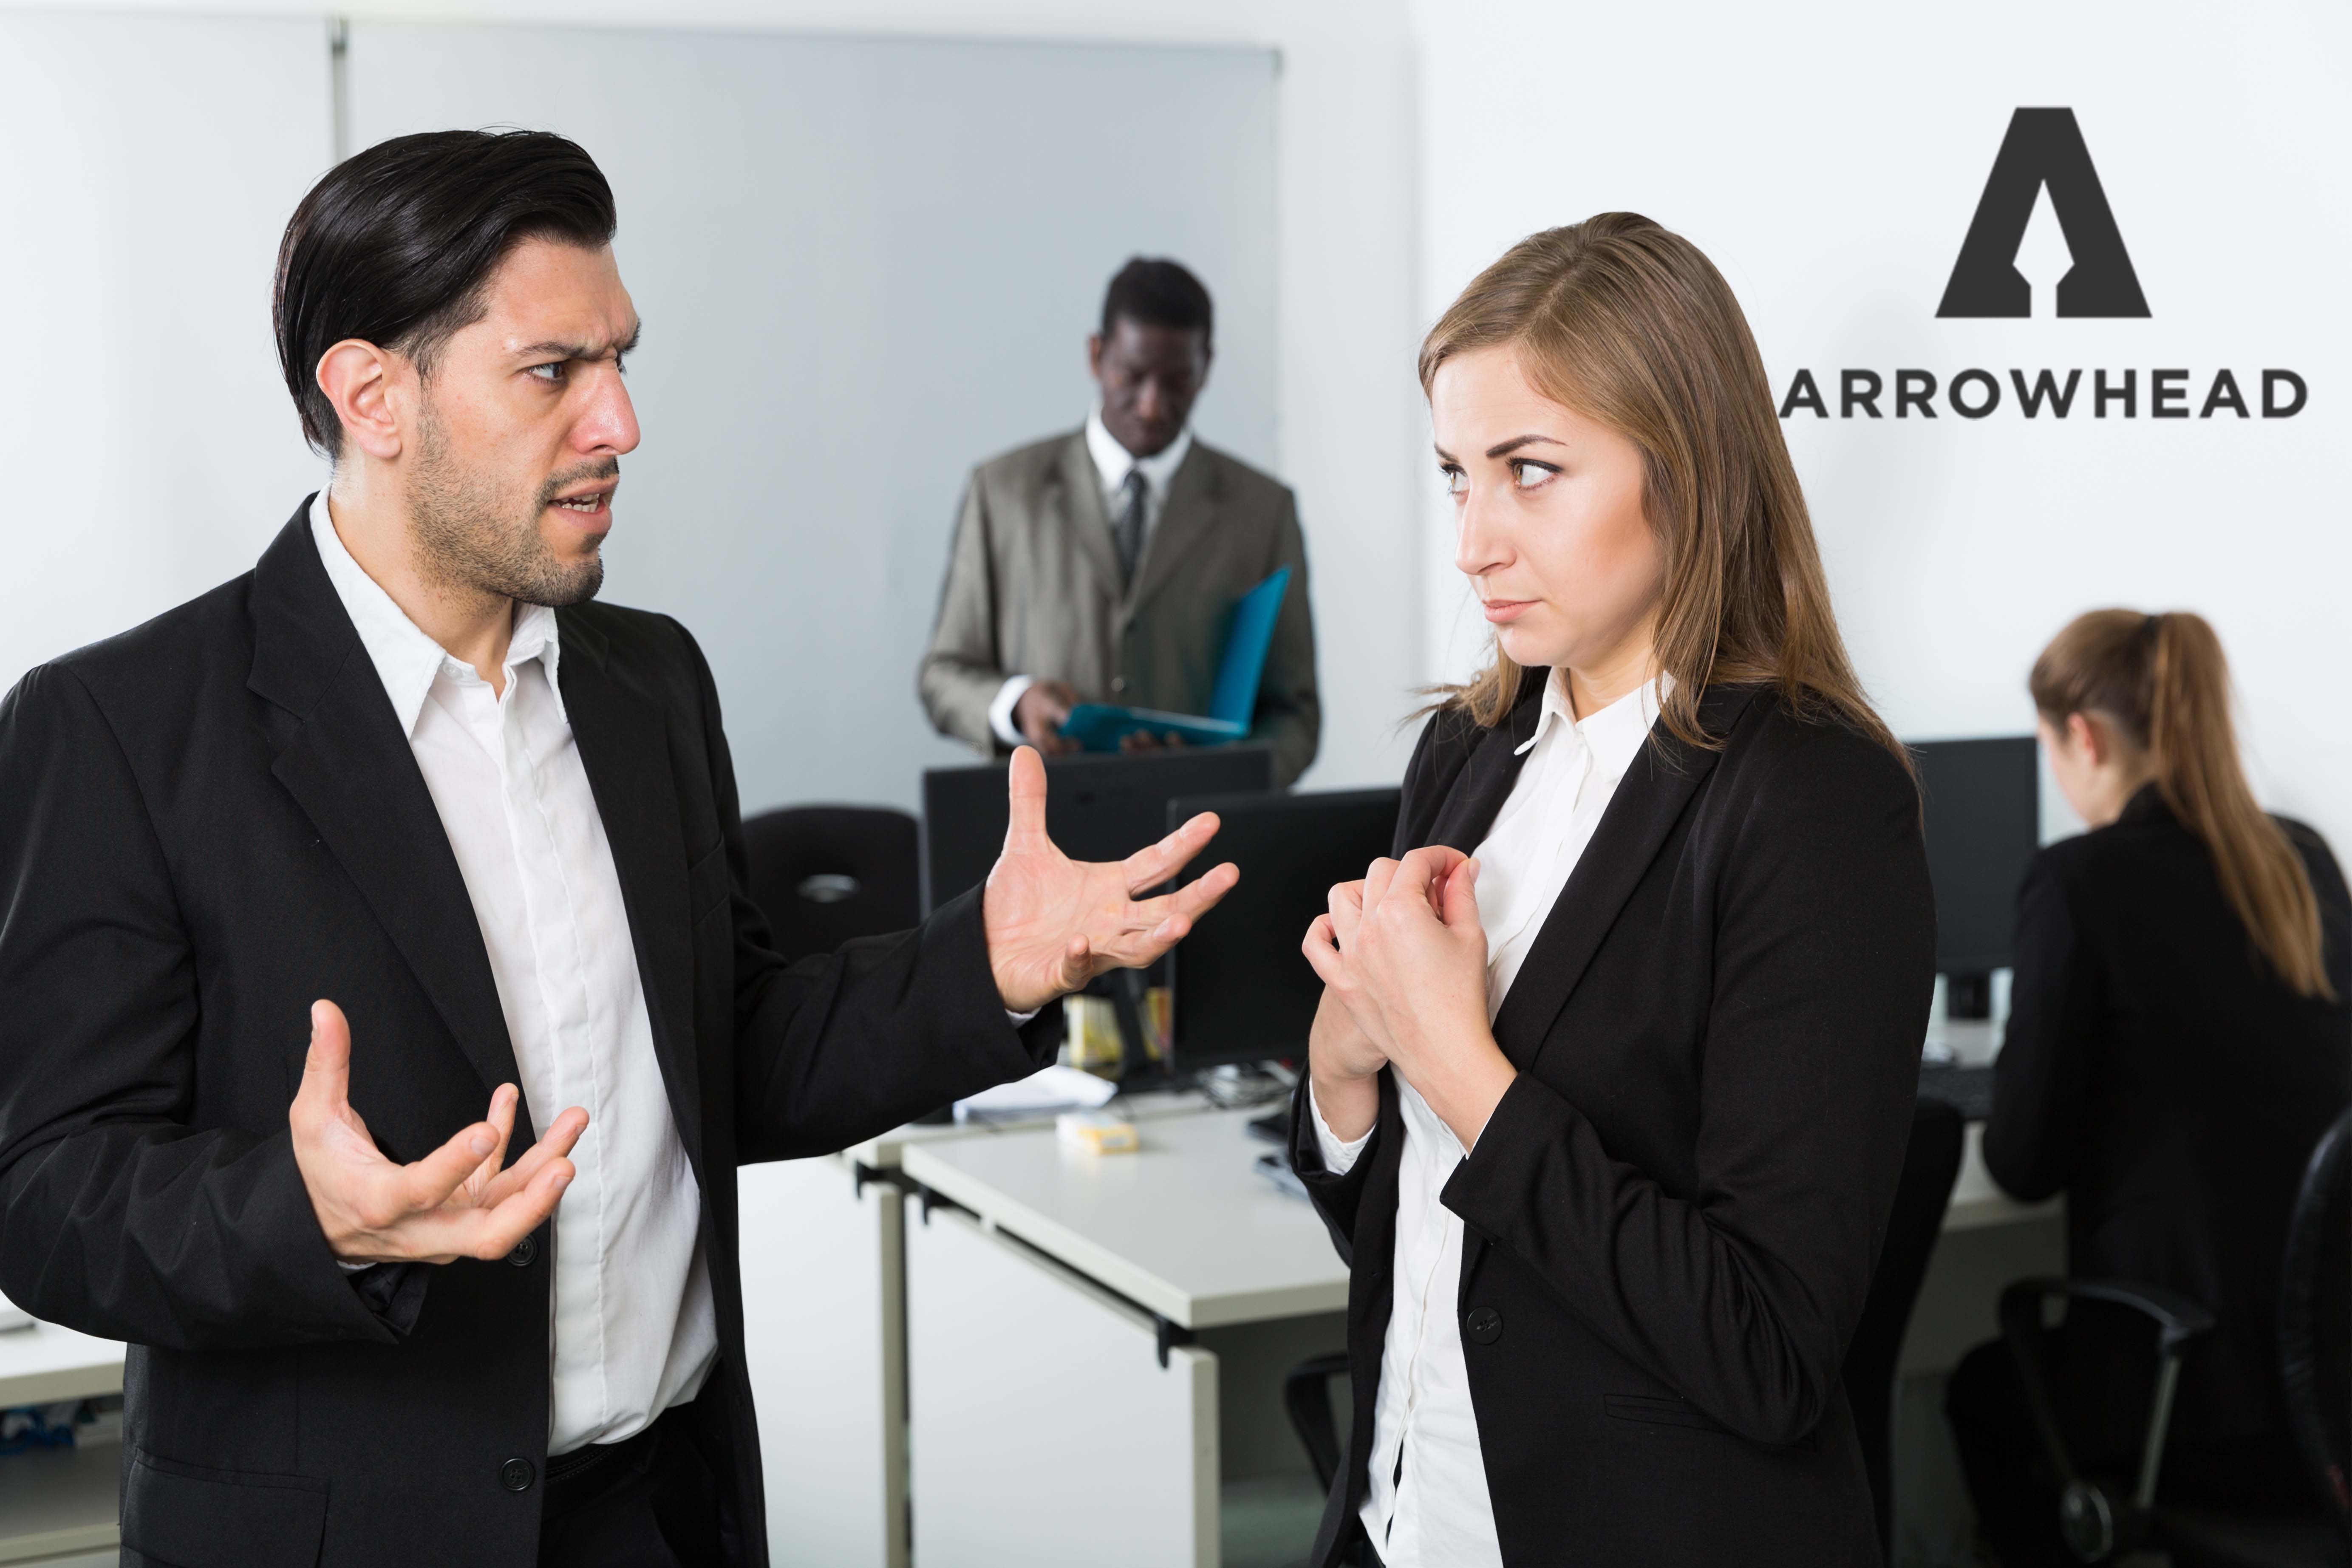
(150, 447)
(863, 266)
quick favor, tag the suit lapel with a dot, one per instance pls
(624, 742)
(1487, 779)
(1649, 801)
(1187, 516)
(1080, 507)
(349, 767)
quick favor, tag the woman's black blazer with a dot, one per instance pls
(1673, 1214)
(2158, 1072)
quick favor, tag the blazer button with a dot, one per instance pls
(1484, 1324)
(1119, 683)
(516, 1475)
(525, 1252)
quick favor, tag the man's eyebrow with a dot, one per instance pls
(552, 350)
(1516, 442)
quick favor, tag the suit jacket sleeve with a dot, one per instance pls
(844, 1046)
(1289, 716)
(2041, 1080)
(960, 675)
(119, 1218)
(1743, 1294)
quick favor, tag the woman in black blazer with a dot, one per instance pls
(2179, 1038)
(1646, 1068)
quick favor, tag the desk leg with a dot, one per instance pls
(824, 1337)
(1043, 1429)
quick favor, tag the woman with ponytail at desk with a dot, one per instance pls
(2179, 1038)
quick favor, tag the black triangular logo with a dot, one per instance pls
(2044, 147)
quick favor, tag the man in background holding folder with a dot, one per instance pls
(1103, 565)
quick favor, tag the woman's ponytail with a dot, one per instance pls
(2165, 683)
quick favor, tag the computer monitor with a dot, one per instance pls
(1096, 808)
(1243, 991)
(1983, 824)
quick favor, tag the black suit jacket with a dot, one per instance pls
(208, 822)
(2158, 1072)
(1673, 1214)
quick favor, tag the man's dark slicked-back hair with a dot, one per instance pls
(397, 246)
(1158, 294)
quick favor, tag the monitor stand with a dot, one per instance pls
(1968, 994)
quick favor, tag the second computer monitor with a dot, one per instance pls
(1983, 816)
(1243, 991)
(1096, 808)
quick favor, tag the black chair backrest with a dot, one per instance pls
(2316, 1316)
(1930, 1164)
(824, 874)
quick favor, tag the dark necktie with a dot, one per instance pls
(1128, 529)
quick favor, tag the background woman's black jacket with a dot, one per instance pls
(1676, 1208)
(2158, 1072)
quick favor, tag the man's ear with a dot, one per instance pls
(358, 379)
(1093, 354)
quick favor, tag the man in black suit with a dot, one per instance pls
(405, 765)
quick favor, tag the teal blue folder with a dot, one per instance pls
(1101, 726)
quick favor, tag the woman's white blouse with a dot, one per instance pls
(1428, 1506)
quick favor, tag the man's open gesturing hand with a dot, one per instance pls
(1053, 923)
(455, 1203)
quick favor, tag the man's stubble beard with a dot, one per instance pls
(471, 535)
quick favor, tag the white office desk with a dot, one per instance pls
(63, 1500)
(1185, 1226)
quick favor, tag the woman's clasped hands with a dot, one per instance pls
(1404, 963)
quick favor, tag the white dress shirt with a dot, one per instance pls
(632, 1330)
(1113, 463)
(1435, 1512)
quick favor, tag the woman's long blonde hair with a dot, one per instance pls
(1630, 324)
(2164, 682)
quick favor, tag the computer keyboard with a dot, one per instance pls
(1273, 1127)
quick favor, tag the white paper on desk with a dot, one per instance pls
(1053, 1088)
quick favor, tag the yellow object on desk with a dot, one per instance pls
(1100, 1131)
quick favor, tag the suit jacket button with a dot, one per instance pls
(525, 1252)
(516, 1475)
(1484, 1324)
(1119, 683)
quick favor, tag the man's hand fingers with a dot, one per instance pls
(1026, 787)
(327, 1069)
(1377, 878)
(556, 1144)
(490, 1233)
(1347, 912)
(428, 1182)
(1147, 868)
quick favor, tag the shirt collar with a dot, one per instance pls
(406, 660)
(1615, 734)
(1113, 462)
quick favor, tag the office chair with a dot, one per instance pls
(1931, 1162)
(2101, 1520)
(824, 874)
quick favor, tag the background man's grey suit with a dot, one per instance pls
(1032, 588)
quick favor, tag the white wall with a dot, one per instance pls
(1830, 160)
(149, 451)
(1348, 316)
